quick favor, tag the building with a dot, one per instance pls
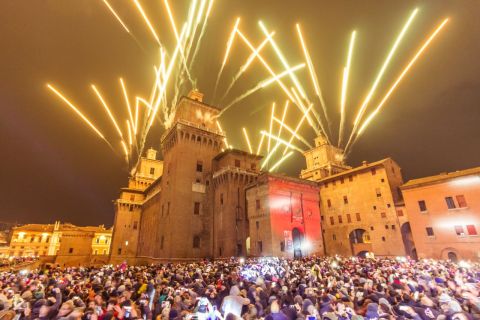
(361, 208)
(445, 214)
(284, 217)
(196, 207)
(66, 243)
(128, 207)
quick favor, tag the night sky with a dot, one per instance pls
(52, 166)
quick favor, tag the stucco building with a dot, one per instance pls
(445, 213)
(66, 243)
(361, 208)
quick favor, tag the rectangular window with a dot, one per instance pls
(422, 205)
(332, 221)
(340, 219)
(345, 200)
(196, 208)
(329, 203)
(237, 163)
(199, 166)
(97, 240)
(342, 181)
(334, 237)
(378, 192)
(450, 202)
(119, 251)
(383, 215)
(358, 216)
(462, 203)
(400, 213)
(349, 218)
(322, 218)
(152, 171)
(326, 185)
(260, 246)
(253, 166)
(163, 207)
(135, 225)
(282, 246)
(221, 198)
(257, 204)
(168, 208)
(257, 224)
(459, 231)
(386, 226)
(472, 231)
(70, 250)
(393, 227)
(374, 171)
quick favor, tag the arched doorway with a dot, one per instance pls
(247, 246)
(297, 239)
(362, 254)
(452, 256)
(360, 242)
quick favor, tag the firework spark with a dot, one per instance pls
(77, 111)
(145, 18)
(248, 140)
(400, 77)
(279, 162)
(107, 109)
(116, 15)
(384, 67)
(343, 98)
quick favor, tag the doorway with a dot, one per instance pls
(297, 239)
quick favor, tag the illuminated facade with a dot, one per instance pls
(284, 217)
(34, 240)
(196, 207)
(445, 214)
(361, 208)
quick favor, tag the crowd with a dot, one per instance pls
(331, 288)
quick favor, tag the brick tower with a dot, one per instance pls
(178, 223)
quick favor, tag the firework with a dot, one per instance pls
(271, 127)
(343, 98)
(279, 162)
(313, 74)
(287, 144)
(400, 77)
(107, 109)
(248, 140)
(245, 66)
(384, 67)
(116, 15)
(259, 148)
(227, 53)
(145, 18)
(292, 132)
(77, 111)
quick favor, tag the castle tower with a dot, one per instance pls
(233, 170)
(178, 223)
(323, 160)
(128, 208)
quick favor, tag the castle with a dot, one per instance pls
(206, 200)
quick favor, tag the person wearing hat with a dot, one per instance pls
(233, 303)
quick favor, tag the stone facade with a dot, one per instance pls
(445, 214)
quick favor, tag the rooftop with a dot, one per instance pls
(444, 176)
(362, 167)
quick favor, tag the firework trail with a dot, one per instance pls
(343, 99)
